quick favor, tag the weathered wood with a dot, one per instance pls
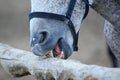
(20, 63)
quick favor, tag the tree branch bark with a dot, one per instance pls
(109, 9)
(20, 63)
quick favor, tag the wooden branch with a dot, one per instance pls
(20, 63)
(109, 9)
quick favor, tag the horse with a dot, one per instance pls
(54, 36)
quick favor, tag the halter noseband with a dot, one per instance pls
(65, 18)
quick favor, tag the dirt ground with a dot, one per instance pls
(14, 30)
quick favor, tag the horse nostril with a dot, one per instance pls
(42, 36)
(39, 38)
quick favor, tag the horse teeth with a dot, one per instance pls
(62, 52)
(49, 54)
(61, 55)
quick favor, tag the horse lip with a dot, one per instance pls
(36, 50)
(65, 48)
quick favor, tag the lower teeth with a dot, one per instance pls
(51, 54)
(61, 56)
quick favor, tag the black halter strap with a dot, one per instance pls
(65, 18)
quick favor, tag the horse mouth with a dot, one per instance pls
(56, 52)
(61, 50)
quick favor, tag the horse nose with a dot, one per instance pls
(39, 38)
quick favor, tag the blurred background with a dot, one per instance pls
(14, 30)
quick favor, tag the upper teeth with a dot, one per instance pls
(61, 55)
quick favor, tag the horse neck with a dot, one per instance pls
(60, 7)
